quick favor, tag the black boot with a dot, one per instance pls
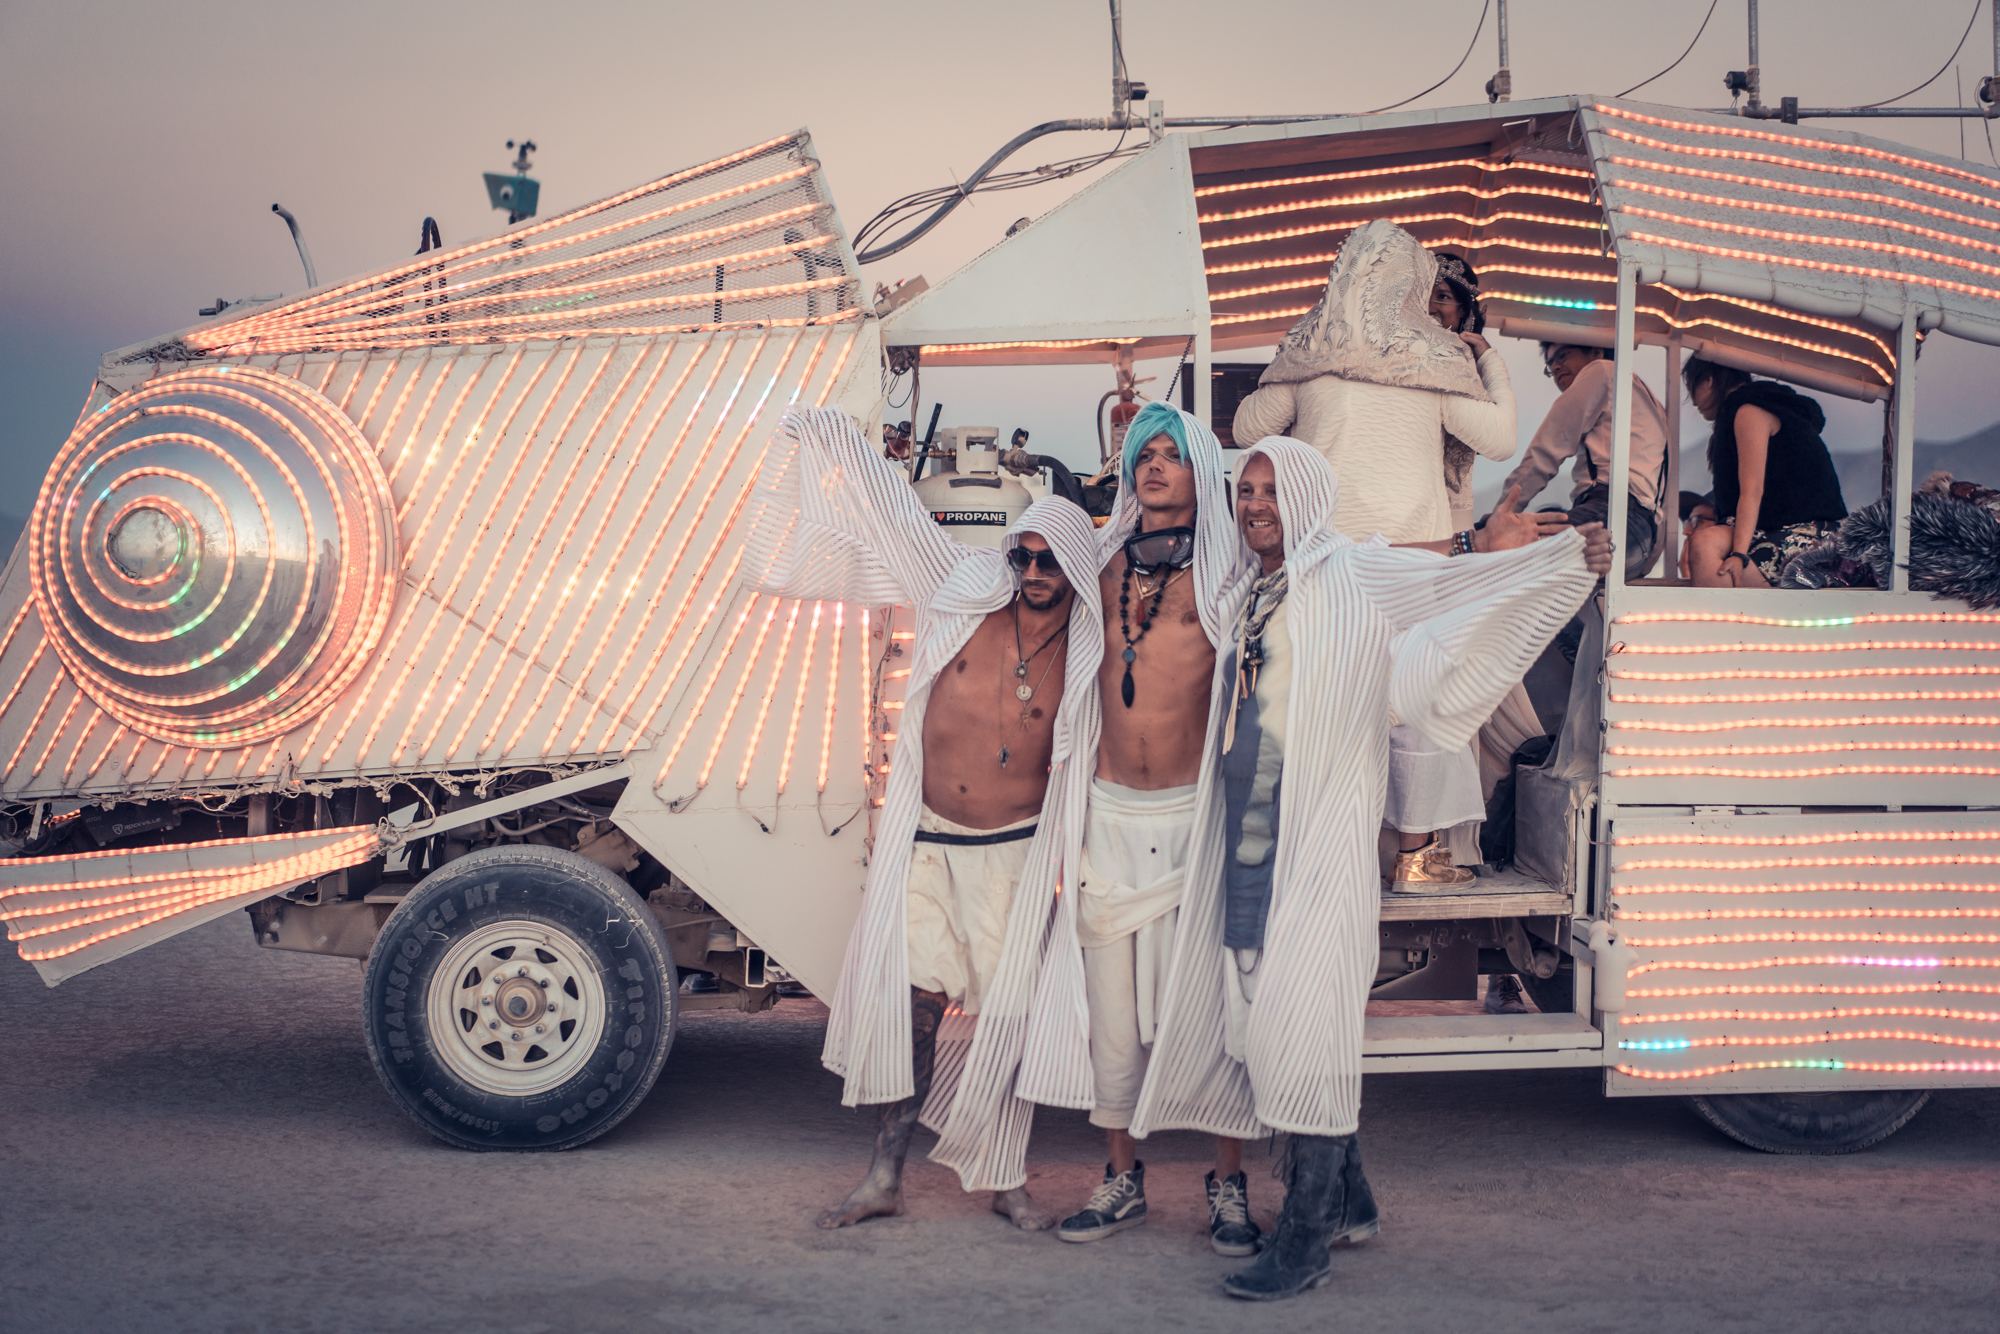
(1354, 1216)
(1296, 1257)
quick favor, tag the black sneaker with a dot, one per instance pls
(1230, 1230)
(1503, 995)
(1114, 1206)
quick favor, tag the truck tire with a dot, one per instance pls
(1811, 1122)
(519, 998)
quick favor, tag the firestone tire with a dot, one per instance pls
(1822, 1123)
(519, 998)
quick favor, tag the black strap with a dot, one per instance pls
(974, 840)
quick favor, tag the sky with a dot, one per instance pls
(146, 142)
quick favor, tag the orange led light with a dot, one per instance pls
(1825, 266)
(1483, 164)
(1405, 220)
(1802, 238)
(1818, 886)
(69, 765)
(117, 735)
(1773, 674)
(832, 693)
(867, 702)
(799, 701)
(1816, 748)
(34, 724)
(736, 695)
(1923, 645)
(1393, 196)
(1811, 938)
(1865, 720)
(714, 674)
(1809, 840)
(1766, 863)
(1800, 914)
(770, 692)
(1820, 1039)
(1830, 771)
(1820, 191)
(1812, 989)
(1883, 1067)
(1827, 214)
(1783, 1016)
(1868, 618)
(1798, 141)
(687, 646)
(930, 349)
(1816, 961)
(1455, 243)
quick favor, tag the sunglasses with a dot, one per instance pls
(1020, 558)
(1168, 547)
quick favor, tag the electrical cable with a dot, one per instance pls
(1941, 69)
(1683, 55)
(899, 210)
(1454, 69)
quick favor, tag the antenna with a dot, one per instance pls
(312, 279)
(1500, 87)
(520, 193)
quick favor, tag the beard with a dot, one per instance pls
(1043, 597)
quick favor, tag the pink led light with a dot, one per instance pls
(395, 470)
(1814, 961)
(701, 701)
(1798, 914)
(1827, 674)
(1809, 840)
(1811, 938)
(1800, 696)
(1822, 266)
(1865, 720)
(1818, 886)
(1404, 220)
(1819, 1039)
(1393, 196)
(1829, 771)
(1822, 748)
(1783, 1016)
(1810, 989)
(798, 702)
(1869, 618)
(1923, 645)
(930, 349)
(736, 695)
(1826, 214)
(1820, 191)
(867, 705)
(832, 694)
(770, 692)
(1766, 863)
(1884, 1067)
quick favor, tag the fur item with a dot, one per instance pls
(1373, 322)
(1954, 548)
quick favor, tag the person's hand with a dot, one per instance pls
(1597, 548)
(1507, 527)
(1749, 576)
(1480, 347)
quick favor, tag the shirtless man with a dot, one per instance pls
(1175, 568)
(961, 886)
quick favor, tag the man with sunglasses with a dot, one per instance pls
(984, 803)
(1579, 426)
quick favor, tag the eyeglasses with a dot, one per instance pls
(1020, 558)
(1169, 547)
(1556, 359)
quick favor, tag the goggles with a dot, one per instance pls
(1020, 558)
(1163, 548)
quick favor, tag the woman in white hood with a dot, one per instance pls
(1370, 380)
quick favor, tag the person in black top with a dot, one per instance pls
(1776, 491)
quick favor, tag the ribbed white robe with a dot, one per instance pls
(1439, 641)
(832, 519)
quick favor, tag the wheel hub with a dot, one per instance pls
(518, 1007)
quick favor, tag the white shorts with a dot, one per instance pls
(1135, 847)
(959, 900)
(1430, 788)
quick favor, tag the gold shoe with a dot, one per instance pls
(1427, 868)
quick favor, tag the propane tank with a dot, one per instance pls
(966, 494)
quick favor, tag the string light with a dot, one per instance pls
(1812, 623)
(1865, 720)
(1923, 645)
(701, 701)
(1804, 1040)
(1670, 752)
(1811, 938)
(799, 702)
(1320, 178)
(1826, 214)
(1405, 220)
(832, 693)
(1801, 961)
(1473, 243)
(1883, 1067)
(1767, 863)
(939, 349)
(1813, 1016)
(1810, 989)
(770, 693)
(1790, 914)
(687, 647)
(1791, 187)
(736, 695)
(1825, 674)
(1829, 771)
(1809, 840)
(1818, 886)
(1822, 266)
(1803, 696)
(1391, 197)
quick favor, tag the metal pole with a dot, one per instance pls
(1624, 349)
(1503, 82)
(1756, 82)
(1906, 440)
(1121, 87)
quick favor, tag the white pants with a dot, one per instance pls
(959, 902)
(1430, 788)
(1128, 900)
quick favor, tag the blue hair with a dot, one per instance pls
(1153, 419)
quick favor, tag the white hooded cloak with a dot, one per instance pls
(1373, 629)
(834, 520)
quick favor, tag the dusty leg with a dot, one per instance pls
(1019, 1206)
(881, 1191)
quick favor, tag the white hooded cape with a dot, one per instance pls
(832, 519)
(1373, 629)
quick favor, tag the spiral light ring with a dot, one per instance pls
(214, 556)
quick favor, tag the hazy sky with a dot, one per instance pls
(145, 143)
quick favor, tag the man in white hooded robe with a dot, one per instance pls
(957, 913)
(1276, 947)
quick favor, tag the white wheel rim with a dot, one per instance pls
(516, 1008)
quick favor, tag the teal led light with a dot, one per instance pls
(1556, 301)
(1662, 1044)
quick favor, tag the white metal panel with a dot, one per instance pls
(1806, 953)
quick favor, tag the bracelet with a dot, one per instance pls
(1461, 544)
(1743, 556)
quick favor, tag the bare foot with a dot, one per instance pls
(1015, 1204)
(871, 1199)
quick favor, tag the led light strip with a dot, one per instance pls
(1794, 141)
(1812, 748)
(1790, 187)
(1817, 265)
(1462, 219)
(1830, 771)
(1766, 863)
(770, 693)
(1812, 623)
(1811, 989)
(1762, 308)
(843, 315)
(446, 365)
(1806, 239)
(1799, 914)
(1870, 645)
(116, 736)
(1836, 673)
(1394, 196)
(1819, 886)
(1481, 163)
(1808, 840)
(832, 695)
(438, 443)
(34, 724)
(701, 701)
(1471, 243)
(798, 702)
(69, 711)
(736, 695)
(930, 349)
(1805, 1040)
(1809, 1016)
(1800, 696)
(1793, 210)
(514, 242)
(1881, 1067)
(1806, 961)
(97, 716)
(1811, 938)
(1865, 720)
(867, 710)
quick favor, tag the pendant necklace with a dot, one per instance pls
(1131, 655)
(1022, 690)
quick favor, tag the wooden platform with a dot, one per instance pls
(1506, 894)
